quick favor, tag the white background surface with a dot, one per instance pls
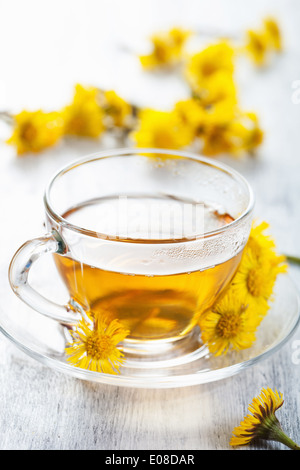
(47, 47)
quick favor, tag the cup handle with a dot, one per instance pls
(18, 274)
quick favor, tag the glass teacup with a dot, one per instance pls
(149, 237)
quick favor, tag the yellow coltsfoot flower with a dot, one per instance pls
(229, 324)
(262, 422)
(35, 131)
(255, 280)
(216, 139)
(116, 110)
(161, 129)
(202, 66)
(257, 46)
(167, 49)
(192, 114)
(84, 116)
(179, 36)
(219, 87)
(273, 32)
(232, 321)
(94, 345)
(226, 129)
(245, 133)
(259, 268)
(262, 246)
(261, 43)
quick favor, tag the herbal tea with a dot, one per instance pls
(151, 305)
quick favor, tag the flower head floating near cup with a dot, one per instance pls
(232, 321)
(262, 423)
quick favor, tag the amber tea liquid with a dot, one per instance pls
(152, 306)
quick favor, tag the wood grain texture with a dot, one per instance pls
(44, 409)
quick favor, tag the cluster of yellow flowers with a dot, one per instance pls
(233, 320)
(169, 47)
(91, 112)
(209, 121)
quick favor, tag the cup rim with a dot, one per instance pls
(136, 150)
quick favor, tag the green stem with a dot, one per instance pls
(284, 439)
(271, 430)
(293, 259)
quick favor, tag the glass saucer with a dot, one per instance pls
(44, 340)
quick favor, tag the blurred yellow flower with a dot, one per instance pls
(257, 46)
(161, 129)
(260, 43)
(221, 127)
(115, 108)
(94, 346)
(228, 130)
(84, 116)
(262, 422)
(219, 87)
(167, 49)
(192, 114)
(34, 131)
(202, 66)
(216, 139)
(273, 32)
(179, 37)
(246, 132)
(229, 324)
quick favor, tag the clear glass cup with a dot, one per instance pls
(149, 237)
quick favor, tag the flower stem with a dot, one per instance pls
(271, 430)
(284, 439)
(293, 259)
(7, 117)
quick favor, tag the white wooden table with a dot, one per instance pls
(48, 48)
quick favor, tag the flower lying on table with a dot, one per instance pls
(34, 131)
(262, 423)
(167, 49)
(161, 129)
(83, 116)
(210, 72)
(210, 120)
(232, 321)
(260, 44)
(90, 113)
